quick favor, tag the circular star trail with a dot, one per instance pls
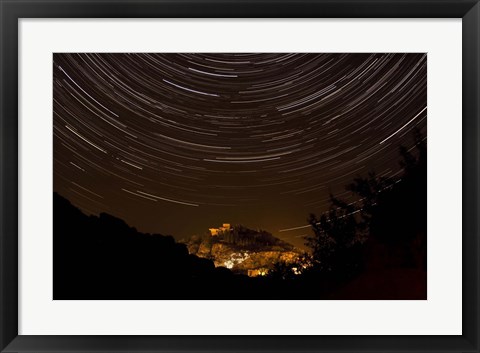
(178, 143)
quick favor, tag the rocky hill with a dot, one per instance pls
(243, 250)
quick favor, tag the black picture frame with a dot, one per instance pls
(12, 10)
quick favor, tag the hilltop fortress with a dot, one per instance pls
(221, 230)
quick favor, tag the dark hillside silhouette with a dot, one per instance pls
(103, 258)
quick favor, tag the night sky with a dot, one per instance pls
(178, 143)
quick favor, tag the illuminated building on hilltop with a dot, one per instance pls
(225, 228)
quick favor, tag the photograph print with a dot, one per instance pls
(222, 176)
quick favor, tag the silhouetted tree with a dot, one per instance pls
(334, 242)
(387, 210)
(399, 219)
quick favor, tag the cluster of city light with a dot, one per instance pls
(236, 258)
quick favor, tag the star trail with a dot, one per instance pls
(177, 143)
